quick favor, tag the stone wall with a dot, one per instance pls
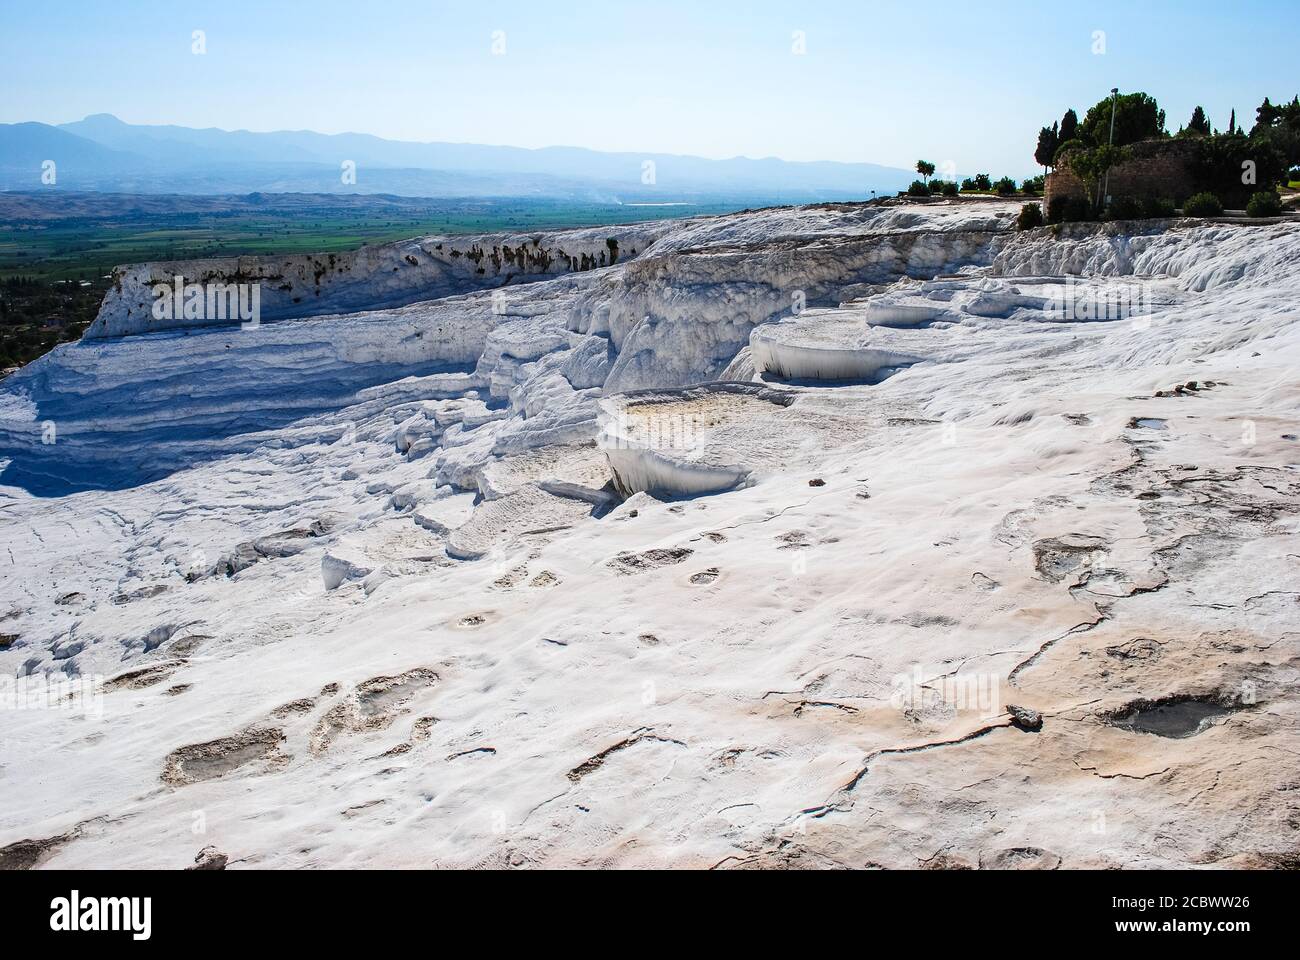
(1159, 169)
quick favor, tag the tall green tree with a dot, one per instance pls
(1199, 124)
(1049, 139)
(1090, 165)
(1069, 126)
(1278, 126)
(1137, 117)
(1266, 115)
(925, 168)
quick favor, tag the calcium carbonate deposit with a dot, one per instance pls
(842, 535)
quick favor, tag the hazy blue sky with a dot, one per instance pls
(888, 82)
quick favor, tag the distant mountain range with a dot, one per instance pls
(101, 153)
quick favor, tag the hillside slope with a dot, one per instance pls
(142, 158)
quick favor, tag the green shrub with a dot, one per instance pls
(1005, 187)
(950, 189)
(1079, 210)
(1203, 205)
(1218, 162)
(1134, 208)
(1031, 216)
(1125, 208)
(1154, 208)
(918, 189)
(1266, 203)
(1070, 210)
(1033, 186)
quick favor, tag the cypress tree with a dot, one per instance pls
(1069, 126)
(1049, 140)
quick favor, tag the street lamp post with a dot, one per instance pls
(1114, 98)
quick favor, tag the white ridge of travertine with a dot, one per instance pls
(358, 587)
(373, 277)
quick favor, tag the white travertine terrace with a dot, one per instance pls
(685, 442)
(363, 585)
